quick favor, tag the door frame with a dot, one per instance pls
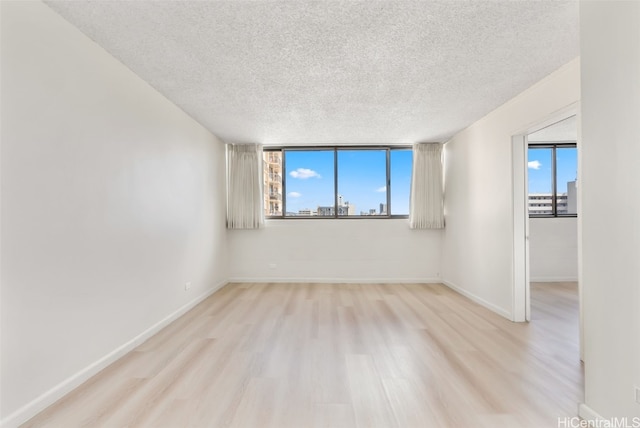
(519, 142)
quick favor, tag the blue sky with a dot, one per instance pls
(540, 173)
(361, 179)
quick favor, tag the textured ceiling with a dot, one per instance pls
(334, 72)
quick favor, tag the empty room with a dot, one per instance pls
(319, 213)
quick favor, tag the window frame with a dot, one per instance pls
(335, 150)
(554, 176)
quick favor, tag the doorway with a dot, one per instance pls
(552, 171)
(558, 133)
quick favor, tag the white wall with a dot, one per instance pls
(112, 199)
(553, 249)
(477, 257)
(346, 250)
(610, 51)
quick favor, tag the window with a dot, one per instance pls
(401, 169)
(337, 182)
(362, 182)
(309, 181)
(552, 179)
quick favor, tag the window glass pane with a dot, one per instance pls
(309, 183)
(401, 164)
(540, 169)
(566, 173)
(272, 173)
(362, 182)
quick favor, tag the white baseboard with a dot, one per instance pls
(340, 280)
(588, 414)
(31, 409)
(500, 311)
(553, 279)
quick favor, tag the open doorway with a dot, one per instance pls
(552, 201)
(552, 205)
(546, 222)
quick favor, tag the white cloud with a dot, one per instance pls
(294, 194)
(304, 173)
(381, 189)
(534, 164)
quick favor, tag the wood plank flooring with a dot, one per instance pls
(349, 355)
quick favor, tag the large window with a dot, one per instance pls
(552, 180)
(337, 182)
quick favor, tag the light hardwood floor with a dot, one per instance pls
(351, 355)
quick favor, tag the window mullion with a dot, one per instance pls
(554, 183)
(335, 183)
(388, 182)
(284, 182)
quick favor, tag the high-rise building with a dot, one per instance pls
(272, 173)
(572, 197)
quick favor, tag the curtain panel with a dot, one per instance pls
(244, 189)
(427, 201)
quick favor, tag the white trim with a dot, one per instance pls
(340, 280)
(521, 291)
(498, 310)
(34, 407)
(588, 414)
(566, 68)
(559, 115)
(520, 304)
(555, 279)
(580, 247)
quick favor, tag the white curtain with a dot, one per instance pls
(244, 197)
(427, 206)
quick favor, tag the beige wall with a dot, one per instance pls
(553, 249)
(337, 250)
(112, 199)
(610, 53)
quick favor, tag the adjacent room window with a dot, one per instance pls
(337, 182)
(553, 170)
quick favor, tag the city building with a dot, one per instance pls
(344, 209)
(542, 203)
(307, 212)
(272, 172)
